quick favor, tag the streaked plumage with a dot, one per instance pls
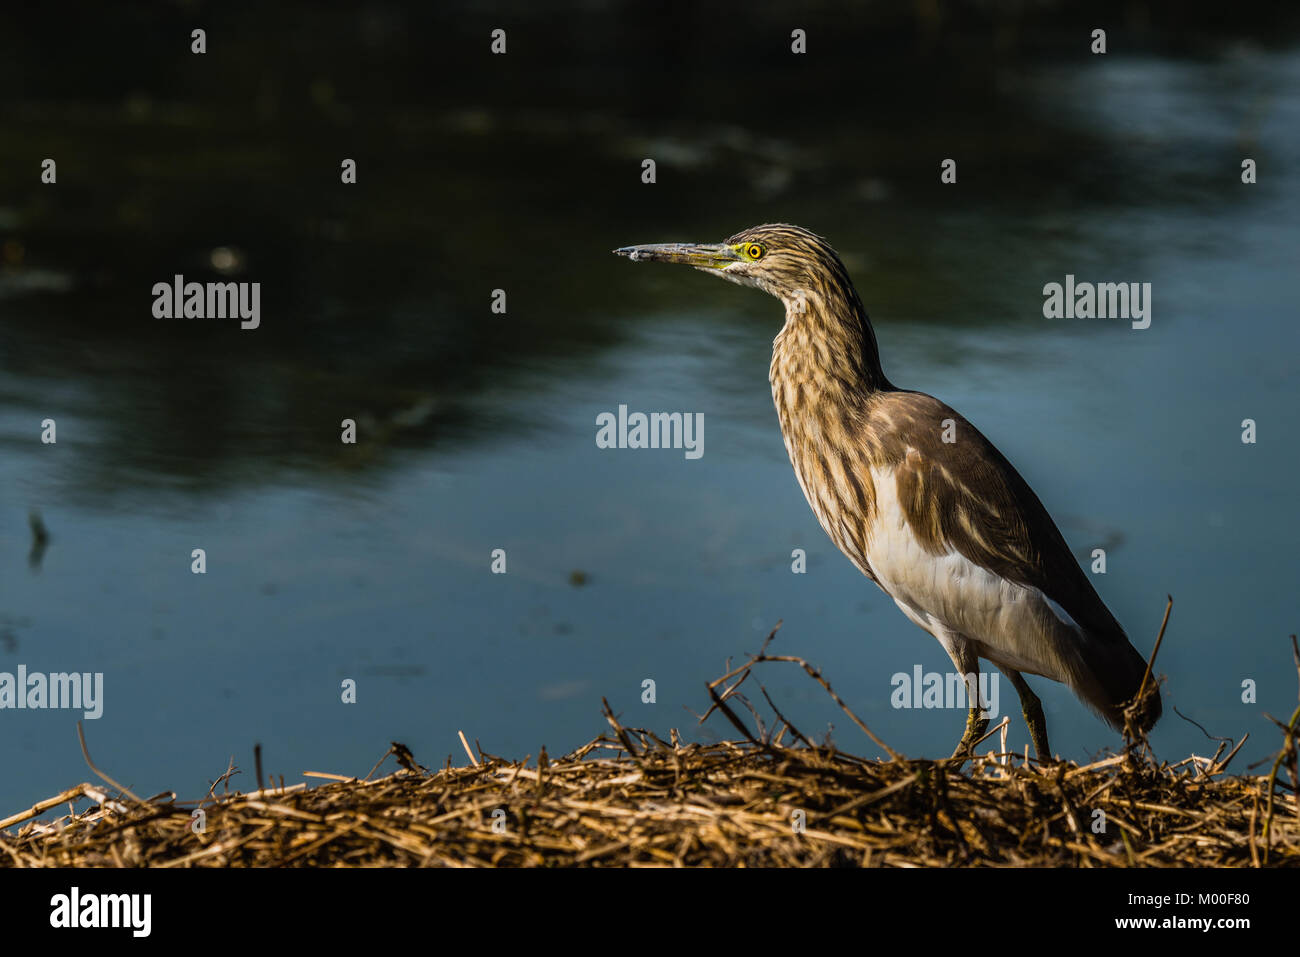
(949, 530)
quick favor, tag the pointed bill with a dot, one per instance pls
(699, 255)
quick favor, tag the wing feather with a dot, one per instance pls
(965, 496)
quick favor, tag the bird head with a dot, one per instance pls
(804, 272)
(787, 261)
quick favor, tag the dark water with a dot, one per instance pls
(372, 562)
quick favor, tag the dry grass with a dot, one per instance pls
(631, 799)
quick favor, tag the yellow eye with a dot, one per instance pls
(754, 251)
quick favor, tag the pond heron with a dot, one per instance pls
(919, 500)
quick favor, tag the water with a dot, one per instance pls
(327, 563)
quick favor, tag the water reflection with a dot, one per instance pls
(477, 430)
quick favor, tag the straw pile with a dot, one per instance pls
(632, 799)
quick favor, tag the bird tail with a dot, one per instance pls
(1117, 672)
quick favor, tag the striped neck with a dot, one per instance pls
(825, 372)
(828, 343)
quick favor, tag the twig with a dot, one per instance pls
(817, 676)
(465, 744)
(1146, 675)
(81, 735)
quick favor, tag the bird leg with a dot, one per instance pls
(976, 725)
(963, 655)
(1032, 709)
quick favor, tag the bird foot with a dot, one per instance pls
(976, 725)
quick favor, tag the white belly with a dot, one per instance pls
(950, 593)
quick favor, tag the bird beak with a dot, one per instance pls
(701, 256)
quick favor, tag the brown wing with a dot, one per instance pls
(965, 495)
